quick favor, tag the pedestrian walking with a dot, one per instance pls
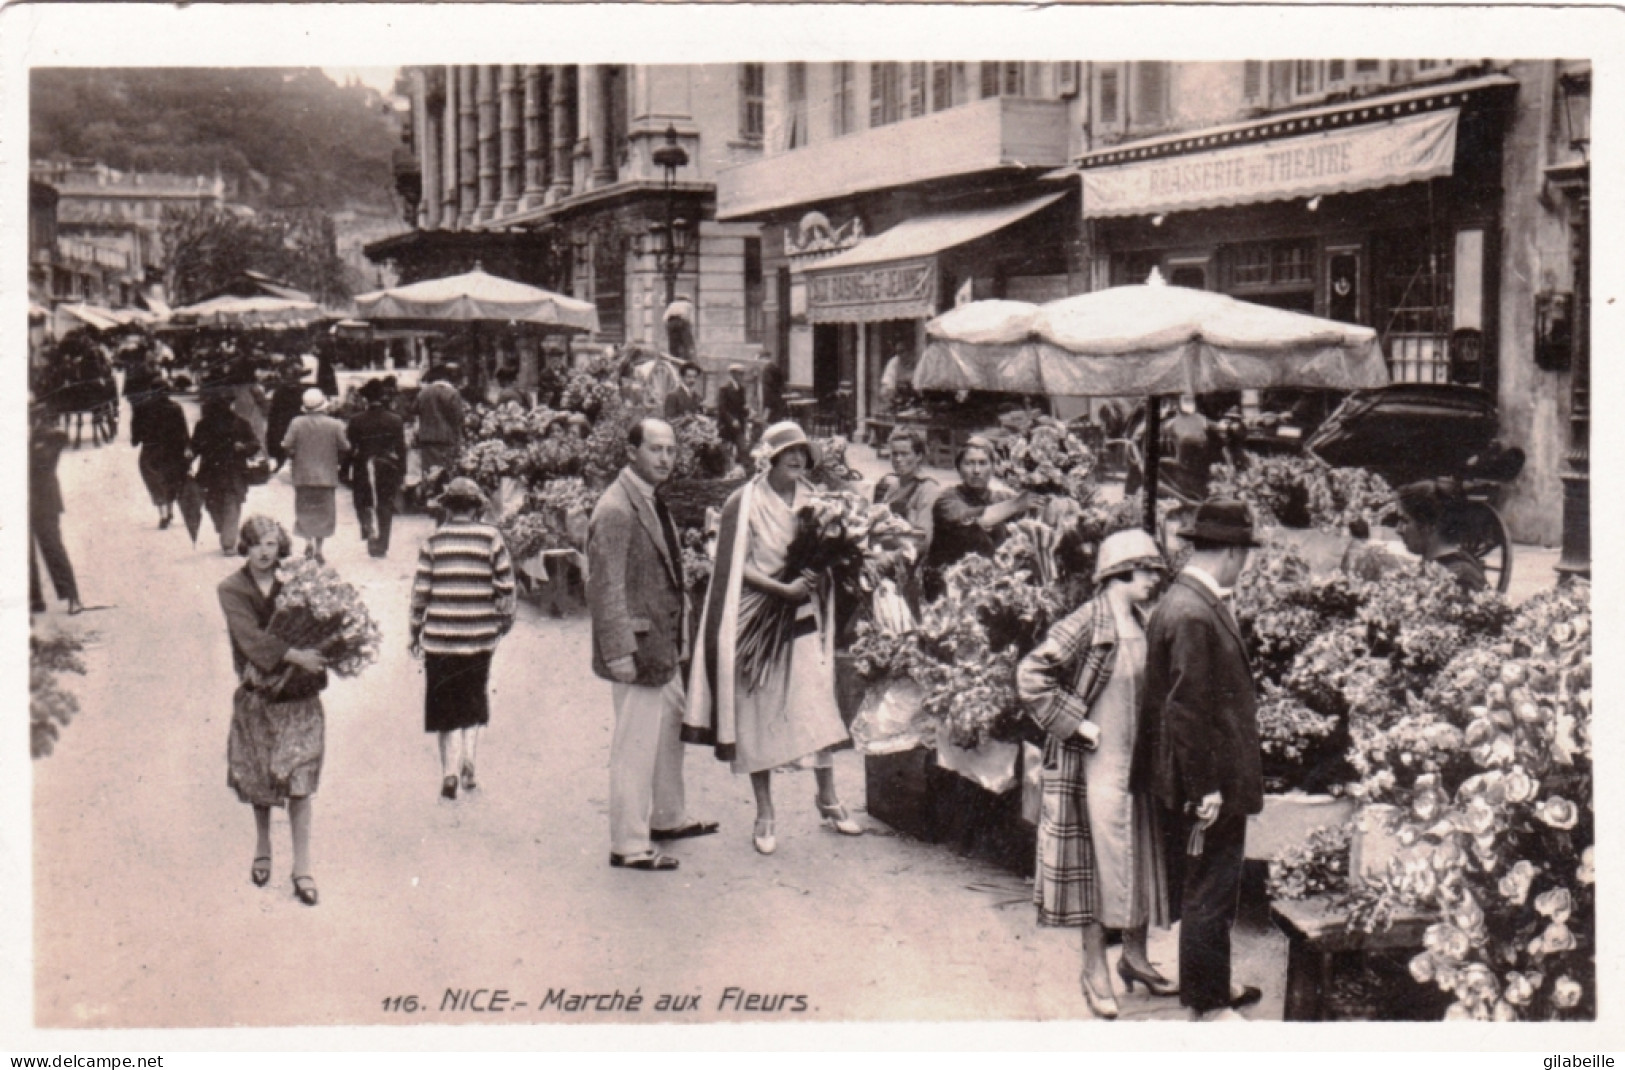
(249, 399)
(1198, 752)
(46, 442)
(223, 442)
(440, 411)
(765, 716)
(733, 414)
(316, 444)
(276, 743)
(1099, 863)
(287, 401)
(462, 605)
(377, 465)
(639, 643)
(158, 427)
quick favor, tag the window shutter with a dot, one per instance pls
(990, 80)
(877, 95)
(917, 88)
(1252, 81)
(1109, 110)
(1336, 72)
(942, 86)
(1150, 93)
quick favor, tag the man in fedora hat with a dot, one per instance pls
(1198, 751)
(378, 439)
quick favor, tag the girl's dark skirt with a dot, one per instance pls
(274, 751)
(455, 696)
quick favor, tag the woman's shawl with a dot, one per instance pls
(713, 673)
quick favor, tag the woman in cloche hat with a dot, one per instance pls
(1099, 863)
(764, 706)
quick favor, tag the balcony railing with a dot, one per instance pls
(987, 135)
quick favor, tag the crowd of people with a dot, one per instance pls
(1151, 764)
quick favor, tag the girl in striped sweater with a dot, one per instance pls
(462, 606)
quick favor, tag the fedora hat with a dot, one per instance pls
(313, 400)
(1125, 551)
(784, 435)
(1221, 520)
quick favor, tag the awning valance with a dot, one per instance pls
(893, 275)
(1344, 160)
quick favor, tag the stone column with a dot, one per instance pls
(429, 157)
(563, 132)
(485, 89)
(448, 153)
(508, 120)
(536, 145)
(468, 145)
(599, 132)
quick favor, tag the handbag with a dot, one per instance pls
(257, 470)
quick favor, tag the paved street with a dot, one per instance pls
(145, 915)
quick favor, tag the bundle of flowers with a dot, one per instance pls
(701, 453)
(509, 422)
(697, 560)
(1048, 459)
(554, 518)
(50, 706)
(528, 533)
(832, 471)
(604, 451)
(1499, 840)
(1316, 867)
(836, 534)
(590, 393)
(1304, 491)
(317, 610)
(559, 453)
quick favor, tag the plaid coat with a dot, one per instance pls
(1058, 682)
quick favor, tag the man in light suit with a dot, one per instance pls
(639, 642)
(1198, 752)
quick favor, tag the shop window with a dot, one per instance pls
(755, 293)
(1414, 290)
(842, 101)
(1151, 94)
(795, 93)
(1280, 274)
(752, 100)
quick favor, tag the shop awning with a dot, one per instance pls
(1346, 148)
(893, 275)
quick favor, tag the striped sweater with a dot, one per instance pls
(463, 594)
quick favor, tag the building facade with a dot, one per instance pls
(108, 248)
(1442, 202)
(554, 175)
(888, 191)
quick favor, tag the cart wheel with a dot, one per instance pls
(1485, 537)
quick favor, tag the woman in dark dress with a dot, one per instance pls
(158, 426)
(274, 752)
(223, 442)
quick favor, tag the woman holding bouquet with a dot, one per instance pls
(762, 683)
(1099, 862)
(274, 752)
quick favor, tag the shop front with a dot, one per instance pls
(1384, 211)
(869, 304)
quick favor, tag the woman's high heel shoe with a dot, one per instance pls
(836, 817)
(1154, 982)
(762, 836)
(304, 890)
(1100, 1006)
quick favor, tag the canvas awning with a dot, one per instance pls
(893, 275)
(1345, 148)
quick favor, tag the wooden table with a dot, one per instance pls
(1317, 933)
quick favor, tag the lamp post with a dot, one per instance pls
(671, 237)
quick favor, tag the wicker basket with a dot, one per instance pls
(688, 499)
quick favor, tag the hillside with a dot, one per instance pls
(281, 137)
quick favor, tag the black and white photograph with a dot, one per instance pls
(626, 518)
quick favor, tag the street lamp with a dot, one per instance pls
(671, 237)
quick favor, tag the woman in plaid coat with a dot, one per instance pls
(1099, 863)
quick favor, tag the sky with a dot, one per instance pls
(379, 78)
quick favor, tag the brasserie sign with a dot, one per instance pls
(1340, 161)
(899, 289)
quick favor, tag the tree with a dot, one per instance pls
(205, 249)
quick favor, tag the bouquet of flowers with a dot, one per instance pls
(507, 422)
(316, 610)
(591, 394)
(554, 518)
(1048, 459)
(1304, 491)
(489, 461)
(701, 453)
(697, 562)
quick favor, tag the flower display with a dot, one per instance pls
(701, 453)
(50, 706)
(1046, 458)
(554, 517)
(1304, 491)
